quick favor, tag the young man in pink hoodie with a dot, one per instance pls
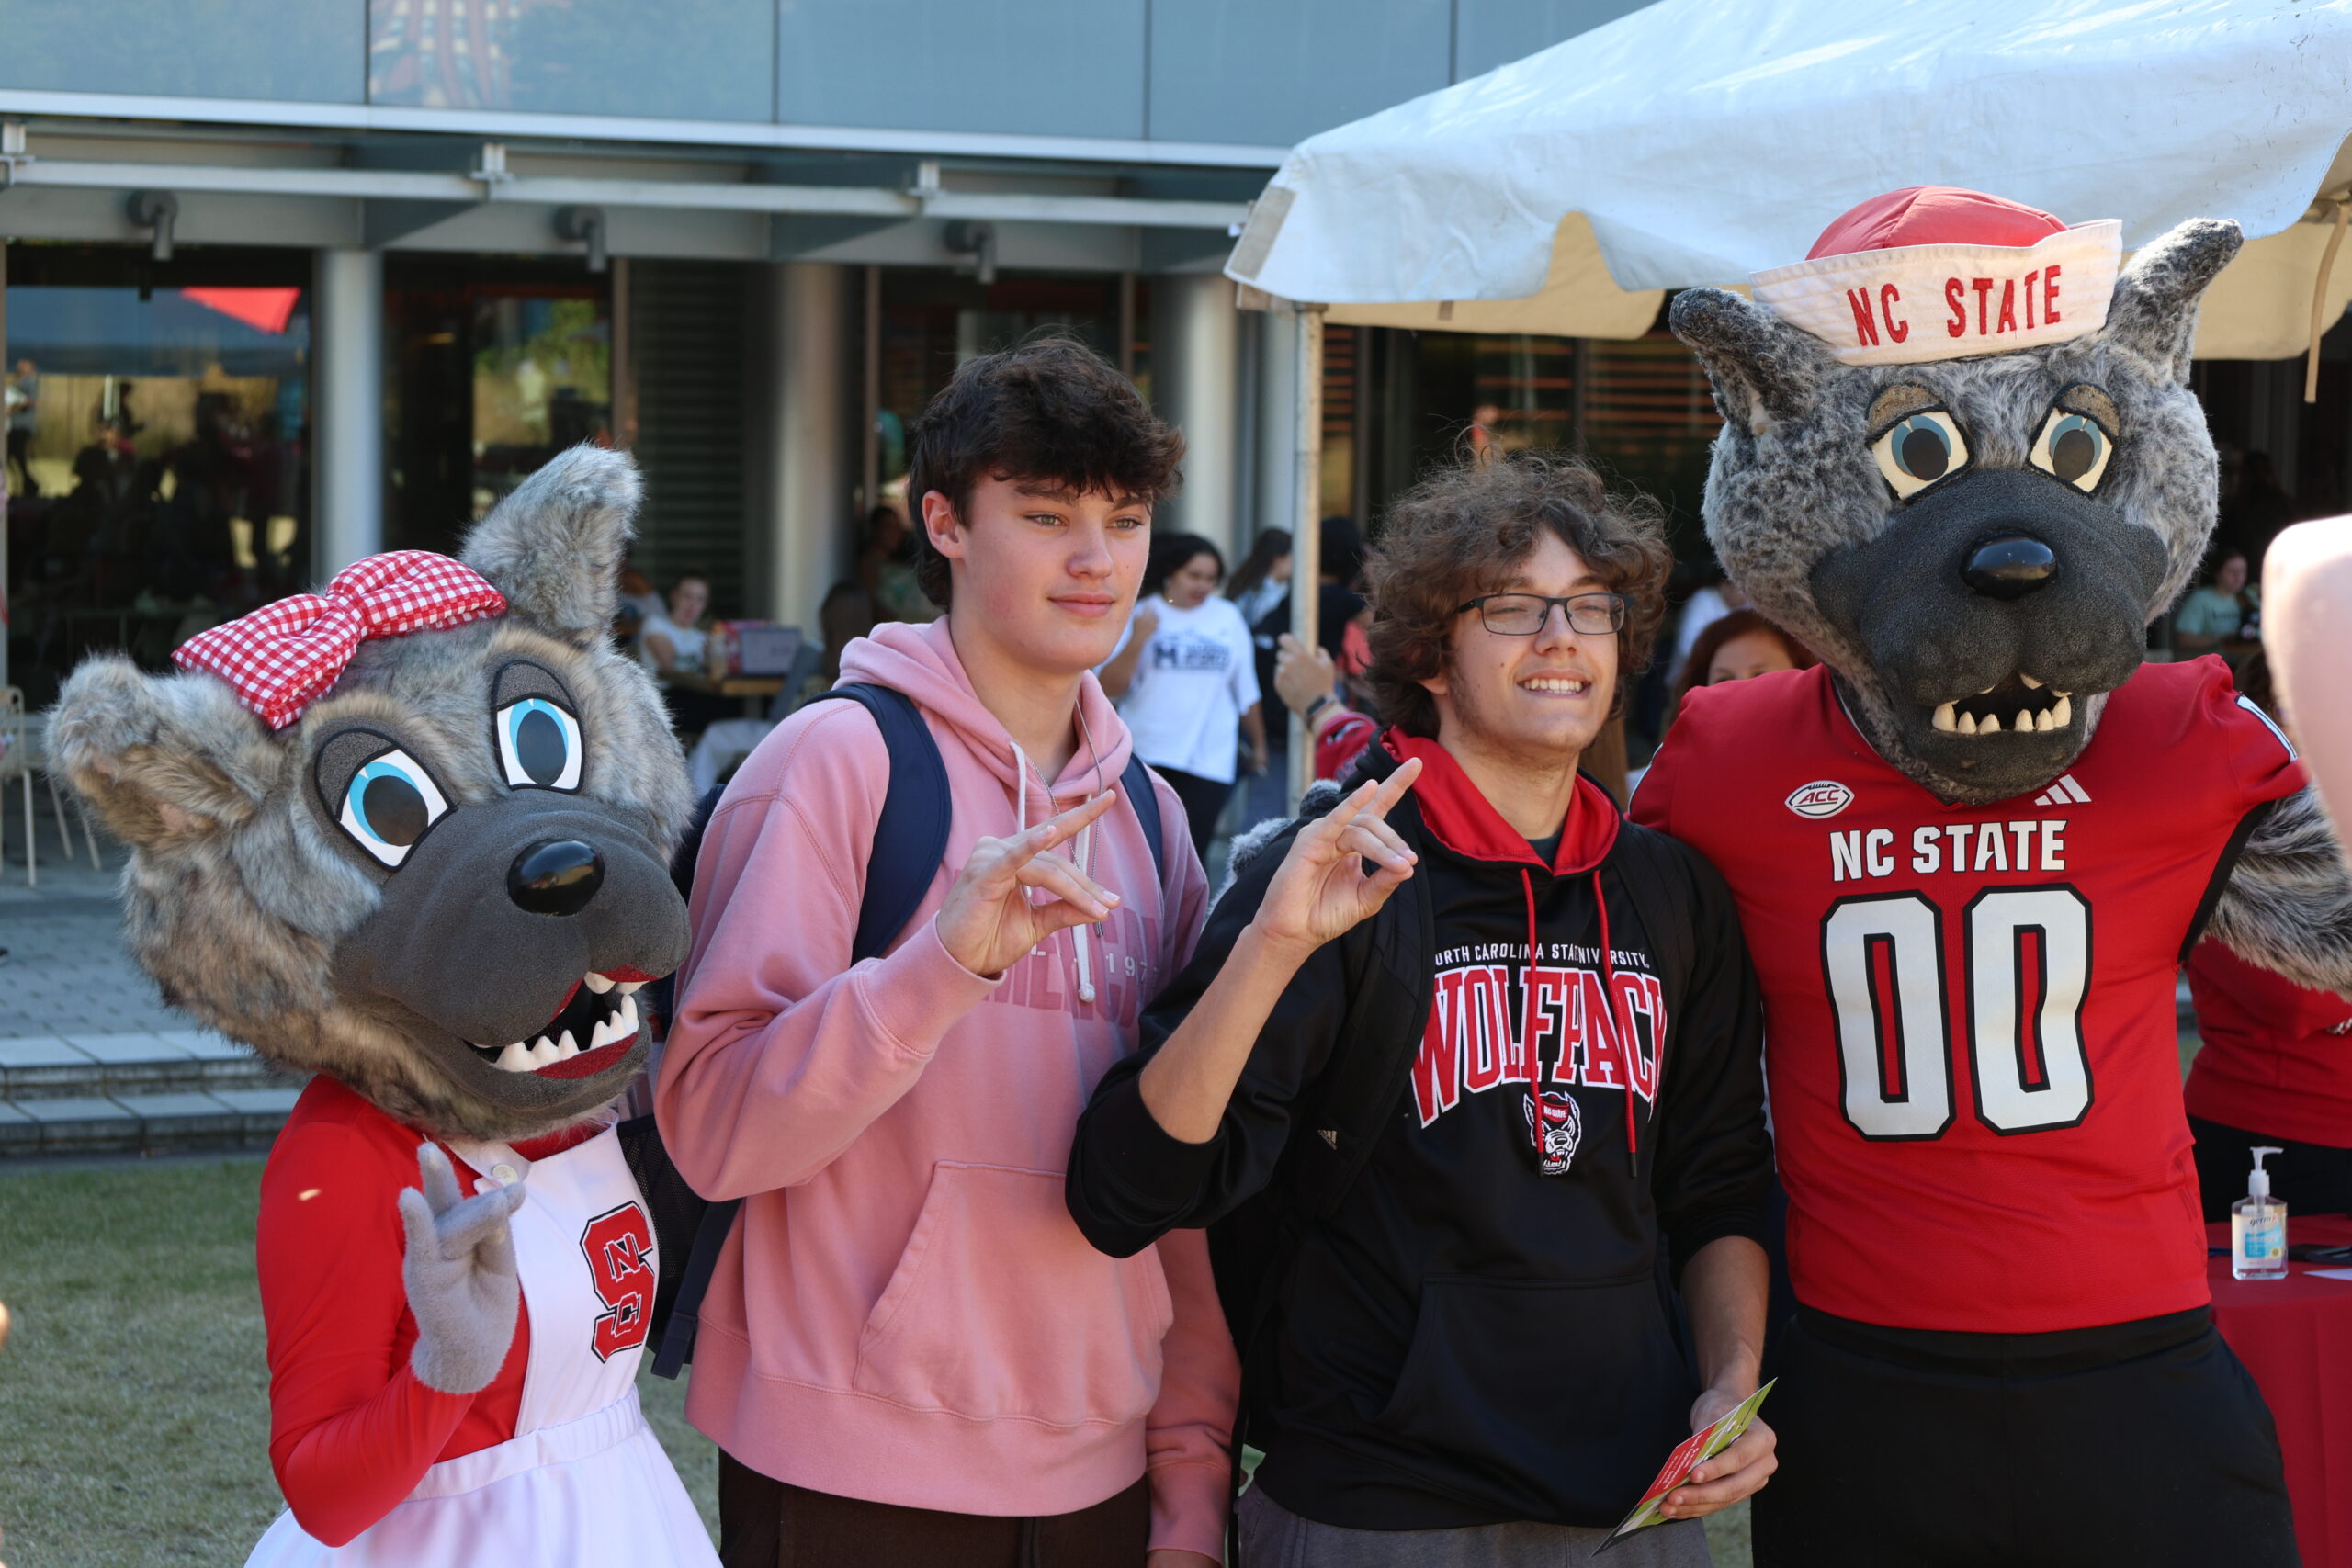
(908, 1353)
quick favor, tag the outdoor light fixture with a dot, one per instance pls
(158, 210)
(973, 247)
(584, 223)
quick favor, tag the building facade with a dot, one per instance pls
(288, 282)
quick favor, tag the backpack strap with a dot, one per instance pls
(910, 835)
(909, 842)
(1136, 784)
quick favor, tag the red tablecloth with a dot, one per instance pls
(2295, 1336)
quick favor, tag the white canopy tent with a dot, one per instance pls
(1697, 142)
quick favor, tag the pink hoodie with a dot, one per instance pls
(907, 1313)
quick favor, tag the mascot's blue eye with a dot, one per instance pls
(1918, 451)
(389, 805)
(2073, 450)
(538, 746)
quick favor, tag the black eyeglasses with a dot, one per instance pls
(1525, 614)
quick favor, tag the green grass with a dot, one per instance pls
(134, 1393)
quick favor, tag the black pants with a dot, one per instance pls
(2313, 1178)
(2141, 1444)
(765, 1523)
(1204, 802)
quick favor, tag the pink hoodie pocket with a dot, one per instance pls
(1000, 1308)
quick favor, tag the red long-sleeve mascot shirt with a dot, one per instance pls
(351, 1430)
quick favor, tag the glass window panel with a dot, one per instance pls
(157, 463)
(1023, 67)
(497, 364)
(1272, 73)
(305, 51)
(681, 60)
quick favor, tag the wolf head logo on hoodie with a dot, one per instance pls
(1563, 1129)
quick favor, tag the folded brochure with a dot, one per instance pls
(1694, 1450)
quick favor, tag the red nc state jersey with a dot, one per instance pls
(1969, 1010)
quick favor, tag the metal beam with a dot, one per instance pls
(1306, 531)
(616, 128)
(400, 185)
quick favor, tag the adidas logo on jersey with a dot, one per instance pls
(2065, 791)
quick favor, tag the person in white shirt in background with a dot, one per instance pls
(673, 645)
(1186, 682)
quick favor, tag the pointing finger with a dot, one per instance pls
(1393, 788)
(1055, 830)
(440, 1182)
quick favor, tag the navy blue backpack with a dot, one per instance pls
(909, 842)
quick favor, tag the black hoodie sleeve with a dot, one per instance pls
(1130, 1182)
(1713, 1175)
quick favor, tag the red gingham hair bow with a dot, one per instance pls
(285, 656)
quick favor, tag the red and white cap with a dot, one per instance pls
(1934, 272)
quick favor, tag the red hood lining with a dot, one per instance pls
(1459, 815)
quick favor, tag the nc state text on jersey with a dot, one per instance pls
(1861, 854)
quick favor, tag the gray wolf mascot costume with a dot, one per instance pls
(1961, 461)
(412, 834)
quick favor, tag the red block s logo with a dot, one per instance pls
(618, 1245)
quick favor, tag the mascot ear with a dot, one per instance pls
(554, 546)
(164, 760)
(2153, 312)
(1764, 370)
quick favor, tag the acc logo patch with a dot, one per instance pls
(1822, 797)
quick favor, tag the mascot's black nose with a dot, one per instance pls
(556, 876)
(2009, 566)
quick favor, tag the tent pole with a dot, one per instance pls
(1307, 535)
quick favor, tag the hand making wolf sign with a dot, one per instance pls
(988, 919)
(1321, 890)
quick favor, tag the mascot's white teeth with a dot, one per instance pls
(2019, 705)
(614, 1013)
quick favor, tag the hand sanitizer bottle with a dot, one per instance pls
(2258, 1228)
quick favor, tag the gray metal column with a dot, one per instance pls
(1196, 384)
(347, 342)
(805, 372)
(1276, 448)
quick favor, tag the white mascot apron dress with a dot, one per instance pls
(583, 1481)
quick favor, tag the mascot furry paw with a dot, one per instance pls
(1961, 460)
(411, 835)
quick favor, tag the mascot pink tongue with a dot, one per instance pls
(411, 834)
(1961, 461)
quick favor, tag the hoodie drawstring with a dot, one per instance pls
(1529, 1049)
(1621, 1029)
(1085, 864)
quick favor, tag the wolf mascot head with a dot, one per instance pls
(1961, 460)
(413, 832)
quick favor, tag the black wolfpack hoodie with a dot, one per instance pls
(1469, 1341)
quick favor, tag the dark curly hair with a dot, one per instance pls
(1049, 409)
(1461, 531)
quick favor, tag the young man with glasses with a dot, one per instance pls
(1464, 1152)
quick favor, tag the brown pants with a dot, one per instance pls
(764, 1523)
